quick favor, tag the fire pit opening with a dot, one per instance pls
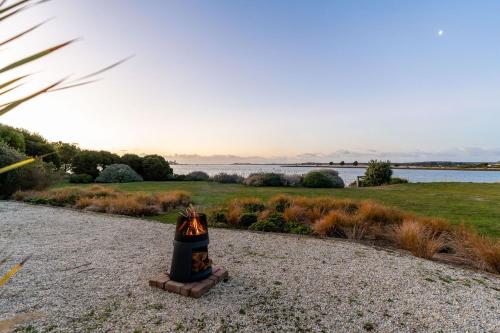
(190, 261)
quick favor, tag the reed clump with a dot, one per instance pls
(108, 200)
(360, 220)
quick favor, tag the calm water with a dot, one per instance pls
(349, 175)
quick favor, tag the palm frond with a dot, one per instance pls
(6, 16)
(14, 5)
(8, 83)
(107, 68)
(74, 85)
(35, 56)
(17, 165)
(23, 33)
(9, 90)
(11, 105)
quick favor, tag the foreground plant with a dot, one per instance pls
(11, 79)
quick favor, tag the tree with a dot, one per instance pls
(67, 152)
(134, 161)
(37, 175)
(342, 163)
(377, 173)
(12, 137)
(330, 163)
(355, 163)
(106, 158)
(37, 145)
(86, 162)
(155, 167)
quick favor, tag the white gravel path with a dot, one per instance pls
(90, 272)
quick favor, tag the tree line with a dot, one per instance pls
(62, 158)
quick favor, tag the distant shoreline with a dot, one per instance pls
(360, 166)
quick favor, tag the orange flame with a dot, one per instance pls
(192, 227)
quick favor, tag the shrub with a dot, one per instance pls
(247, 219)
(156, 167)
(179, 177)
(265, 179)
(81, 179)
(251, 205)
(197, 176)
(397, 180)
(248, 205)
(417, 238)
(217, 216)
(280, 202)
(274, 223)
(118, 173)
(295, 213)
(293, 180)
(298, 228)
(323, 179)
(37, 175)
(377, 173)
(225, 178)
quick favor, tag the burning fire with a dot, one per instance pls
(193, 226)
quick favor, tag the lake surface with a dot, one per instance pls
(349, 174)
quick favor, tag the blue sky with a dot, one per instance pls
(273, 80)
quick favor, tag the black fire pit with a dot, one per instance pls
(190, 260)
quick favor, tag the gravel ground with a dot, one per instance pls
(89, 272)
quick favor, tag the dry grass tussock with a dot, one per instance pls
(108, 200)
(483, 251)
(418, 238)
(369, 220)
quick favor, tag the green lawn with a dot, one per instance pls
(471, 203)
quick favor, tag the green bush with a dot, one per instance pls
(134, 161)
(253, 206)
(81, 179)
(247, 219)
(197, 176)
(179, 177)
(397, 180)
(34, 176)
(12, 137)
(118, 173)
(377, 173)
(280, 203)
(326, 178)
(225, 178)
(217, 216)
(155, 167)
(293, 180)
(298, 228)
(265, 179)
(274, 223)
